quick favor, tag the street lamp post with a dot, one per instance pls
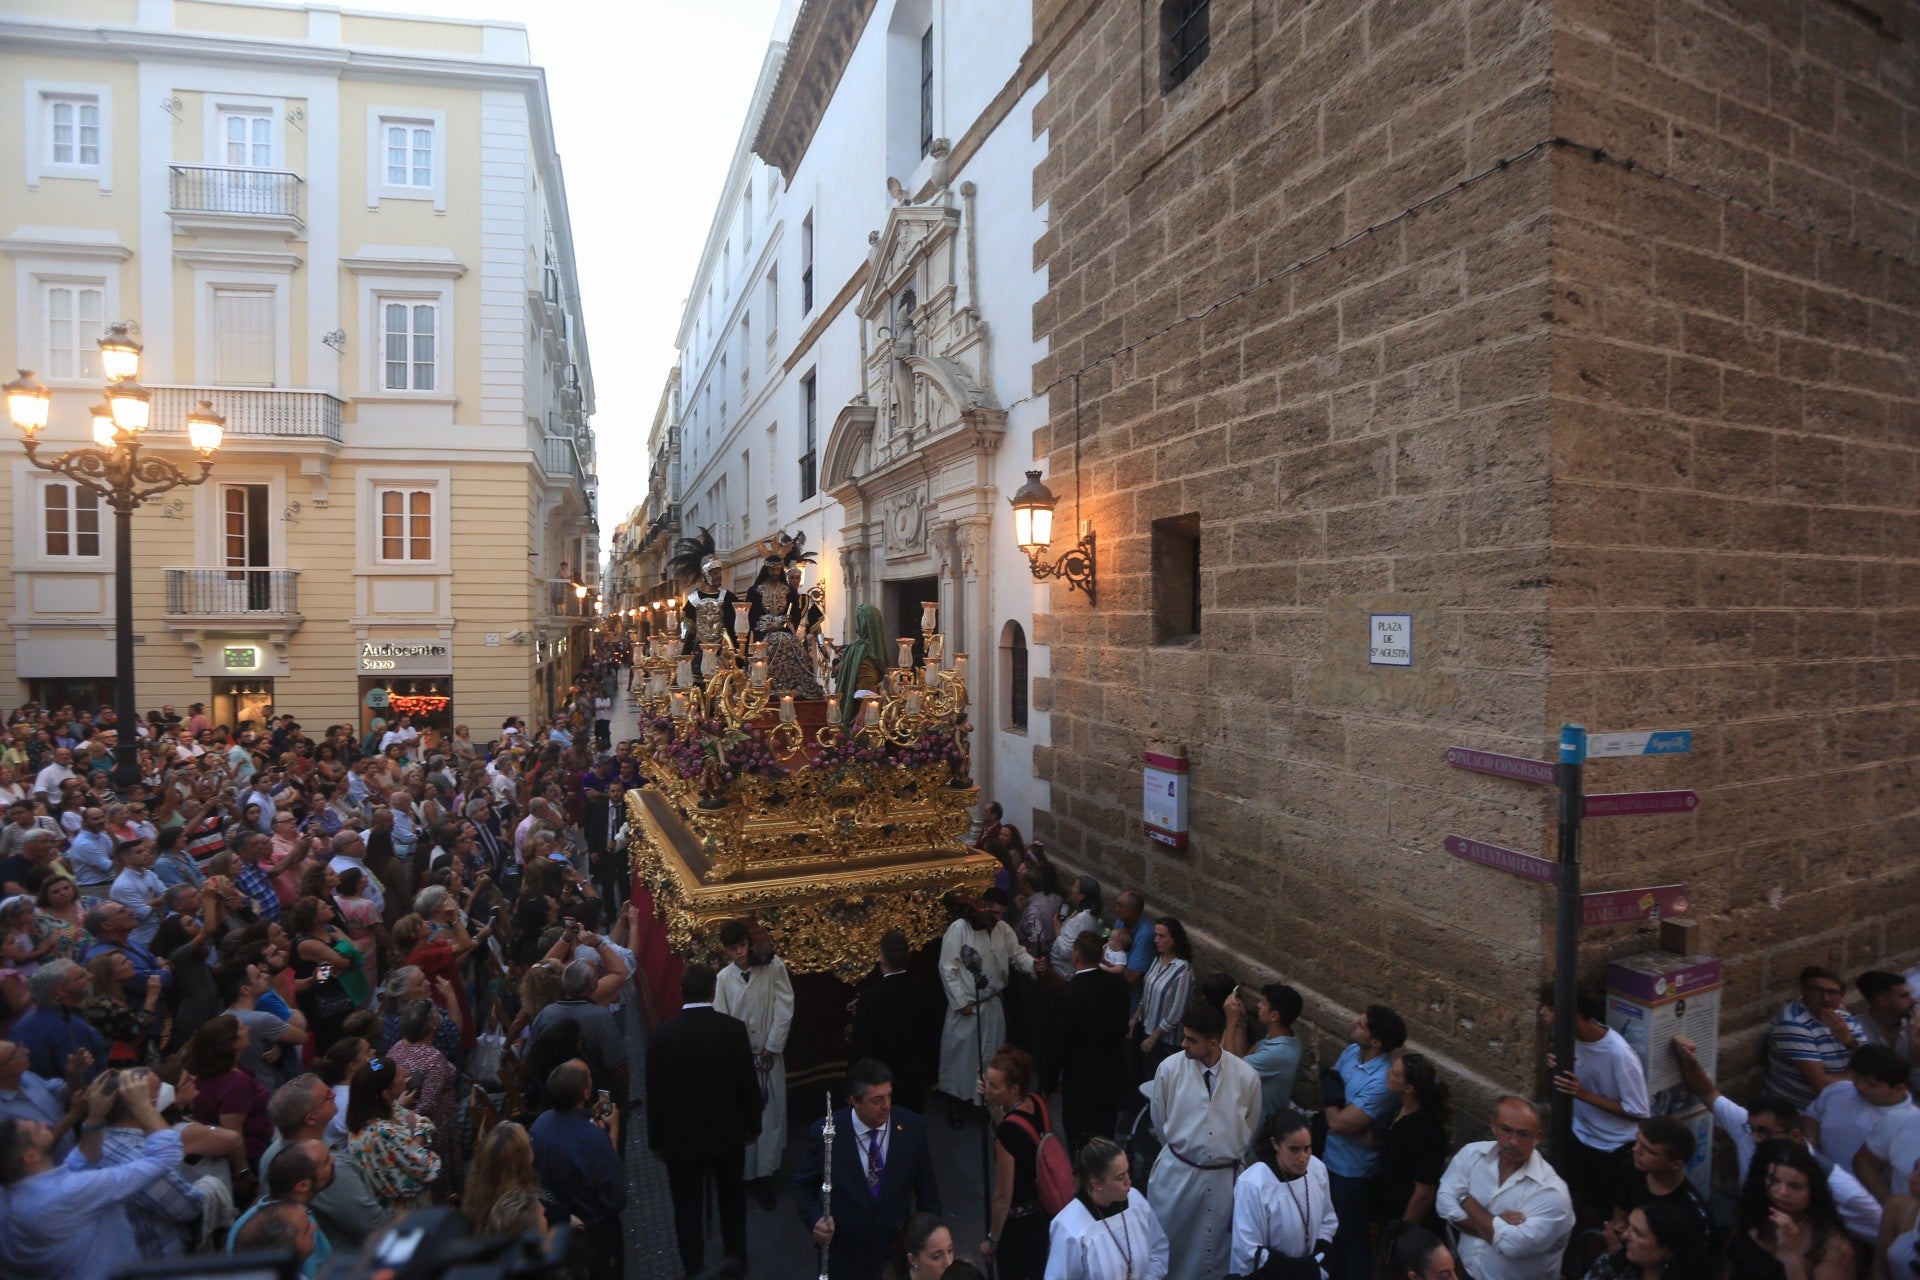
(117, 471)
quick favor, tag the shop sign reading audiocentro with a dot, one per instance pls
(405, 657)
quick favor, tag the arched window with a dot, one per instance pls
(1013, 673)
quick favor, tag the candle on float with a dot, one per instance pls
(709, 659)
(905, 656)
(960, 667)
(740, 608)
(833, 708)
(683, 673)
(913, 702)
(929, 614)
(787, 714)
(871, 716)
(679, 705)
(932, 679)
(656, 684)
(936, 647)
(757, 675)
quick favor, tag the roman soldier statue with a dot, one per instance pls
(775, 601)
(708, 615)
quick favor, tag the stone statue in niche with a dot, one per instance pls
(903, 346)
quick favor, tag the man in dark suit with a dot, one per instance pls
(703, 1108)
(1086, 1050)
(897, 1021)
(881, 1167)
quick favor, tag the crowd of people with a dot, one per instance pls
(1184, 1149)
(285, 987)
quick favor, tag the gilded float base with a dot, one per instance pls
(826, 916)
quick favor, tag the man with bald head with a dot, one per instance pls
(1513, 1211)
(301, 1171)
(345, 1210)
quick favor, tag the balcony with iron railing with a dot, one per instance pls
(561, 461)
(232, 197)
(228, 593)
(264, 412)
(564, 599)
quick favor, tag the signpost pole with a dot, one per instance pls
(1567, 919)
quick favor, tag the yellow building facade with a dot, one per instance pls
(349, 234)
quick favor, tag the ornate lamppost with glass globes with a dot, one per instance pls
(124, 477)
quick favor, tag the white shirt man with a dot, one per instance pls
(1205, 1106)
(350, 850)
(1609, 1067)
(47, 782)
(976, 1016)
(1513, 1211)
(761, 996)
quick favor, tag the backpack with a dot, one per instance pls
(1052, 1171)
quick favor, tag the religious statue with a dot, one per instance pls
(709, 611)
(904, 339)
(775, 601)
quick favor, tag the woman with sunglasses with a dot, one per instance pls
(1413, 1153)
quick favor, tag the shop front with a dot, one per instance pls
(406, 677)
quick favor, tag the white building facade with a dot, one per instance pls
(857, 352)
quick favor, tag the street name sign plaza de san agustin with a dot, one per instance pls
(1432, 377)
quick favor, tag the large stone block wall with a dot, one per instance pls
(1735, 509)
(1369, 431)
(1629, 454)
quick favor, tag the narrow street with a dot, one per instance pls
(778, 1247)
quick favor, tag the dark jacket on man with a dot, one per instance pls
(897, 1021)
(865, 1224)
(703, 1096)
(1085, 1053)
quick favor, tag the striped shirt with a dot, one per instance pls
(1163, 1000)
(165, 1210)
(1798, 1036)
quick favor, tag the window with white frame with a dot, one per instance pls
(406, 525)
(69, 521)
(246, 138)
(68, 132)
(409, 153)
(406, 155)
(71, 324)
(73, 130)
(409, 344)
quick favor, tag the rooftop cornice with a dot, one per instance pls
(818, 48)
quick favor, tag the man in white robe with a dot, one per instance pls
(976, 1019)
(761, 996)
(1205, 1105)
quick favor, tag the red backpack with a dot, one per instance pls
(1052, 1170)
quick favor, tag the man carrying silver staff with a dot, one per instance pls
(881, 1175)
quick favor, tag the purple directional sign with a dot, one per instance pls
(1520, 864)
(1623, 804)
(1518, 768)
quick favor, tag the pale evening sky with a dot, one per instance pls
(648, 99)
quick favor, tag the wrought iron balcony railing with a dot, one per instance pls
(230, 190)
(251, 411)
(225, 593)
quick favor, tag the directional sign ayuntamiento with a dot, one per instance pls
(1510, 860)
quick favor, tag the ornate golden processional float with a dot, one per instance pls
(766, 807)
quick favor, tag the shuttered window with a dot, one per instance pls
(243, 338)
(72, 318)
